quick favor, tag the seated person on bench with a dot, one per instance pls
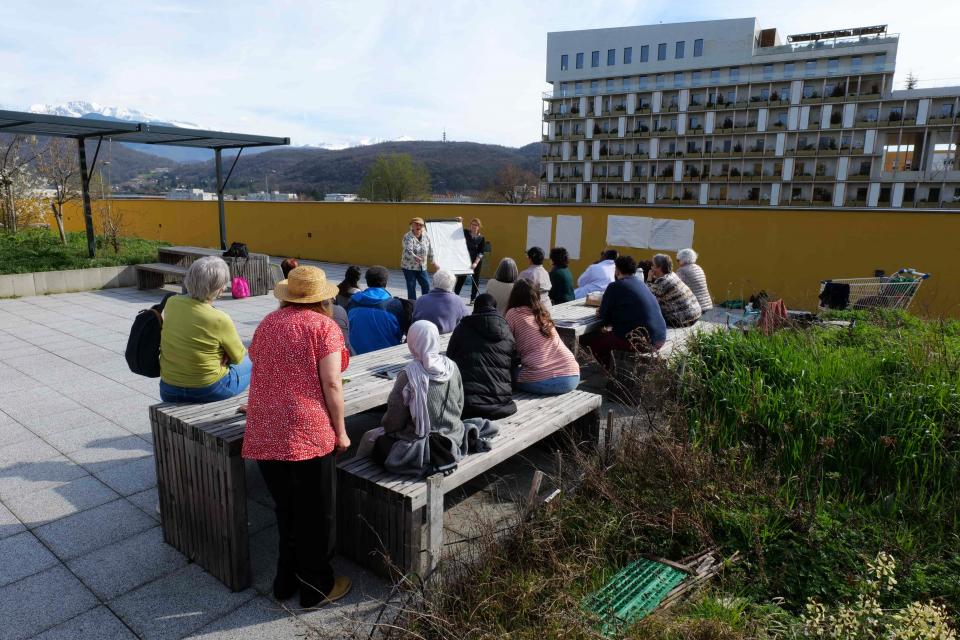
(628, 309)
(597, 276)
(677, 302)
(376, 317)
(339, 313)
(295, 429)
(546, 365)
(486, 354)
(441, 306)
(421, 431)
(201, 356)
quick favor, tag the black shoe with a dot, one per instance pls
(285, 586)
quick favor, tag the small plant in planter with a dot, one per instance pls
(755, 98)
(734, 173)
(737, 148)
(895, 116)
(838, 92)
(727, 123)
(697, 127)
(775, 97)
(836, 118)
(596, 129)
(814, 94)
(720, 99)
(620, 107)
(667, 172)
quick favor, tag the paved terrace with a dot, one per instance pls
(81, 549)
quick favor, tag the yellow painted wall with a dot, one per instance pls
(786, 252)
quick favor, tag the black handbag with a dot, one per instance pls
(237, 250)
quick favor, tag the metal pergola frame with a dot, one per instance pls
(83, 129)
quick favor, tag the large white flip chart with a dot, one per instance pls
(538, 232)
(628, 231)
(568, 234)
(449, 246)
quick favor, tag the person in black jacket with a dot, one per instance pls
(486, 354)
(475, 244)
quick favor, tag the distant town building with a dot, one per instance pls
(723, 112)
(340, 197)
(272, 196)
(190, 194)
(450, 197)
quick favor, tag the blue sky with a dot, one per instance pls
(351, 72)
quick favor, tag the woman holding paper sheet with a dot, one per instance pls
(417, 252)
(475, 244)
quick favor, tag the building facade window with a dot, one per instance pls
(611, 57)
(643, 82)
(768, 72)
(879, 61)
(563, 92)
(788, 70)
(856, 63)
(662, 51)
(578, 88)
(678, 79)
(644, 53)
(698, 47)
(810, 67)
(628, 55)
(696, 78)
(579, 61)
(833, 66)
(661, 81)
(594, 58)
(594, 86)
(678, 53)
(734, 74)
(714, 76)
(609, 85)
(564, 61)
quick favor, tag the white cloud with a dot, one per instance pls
(340, 73)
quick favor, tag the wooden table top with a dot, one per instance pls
(575, 316)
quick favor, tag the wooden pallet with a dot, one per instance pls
(390, 523)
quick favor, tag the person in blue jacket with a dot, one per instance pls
(377, 319)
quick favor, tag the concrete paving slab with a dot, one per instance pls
(9, 524)
(178, 604)
(12, 432)
(34, 402)
(22, 555)
(41, 507)
(95, 624)
(64, 421)
(260, 618)
(112, 571)
(130, 477)
(29, 450)
(38, 476)
(71, 440)
(147, 501)
(93, 529)
(26, 606)
(107, 452)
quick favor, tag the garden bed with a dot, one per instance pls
(39, 250)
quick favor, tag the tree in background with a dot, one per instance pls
(395, 177)
(17, 183)
(912, 80)
(514, 185)
(57, 165)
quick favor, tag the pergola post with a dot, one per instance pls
(218, 161)
(85, 188)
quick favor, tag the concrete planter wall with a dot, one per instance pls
(44, 282)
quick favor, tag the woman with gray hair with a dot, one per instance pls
(677, 303)
(201, 356)
(694, 277)
(441, 306)
(502, 283)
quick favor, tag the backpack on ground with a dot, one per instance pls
(240, 288)
(237, 250)
(143, 345)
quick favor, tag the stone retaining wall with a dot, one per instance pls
(44, 282)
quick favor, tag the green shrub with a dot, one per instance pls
(40, 250)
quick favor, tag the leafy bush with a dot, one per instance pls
(40, 250)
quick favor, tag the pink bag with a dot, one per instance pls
(240, 288)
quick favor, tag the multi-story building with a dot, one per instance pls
(721, 112)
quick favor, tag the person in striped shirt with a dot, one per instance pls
(546, 365)
(677, 303)
(694, 277)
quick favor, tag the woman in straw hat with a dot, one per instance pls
(295, 428)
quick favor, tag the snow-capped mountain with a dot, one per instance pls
(84, 109)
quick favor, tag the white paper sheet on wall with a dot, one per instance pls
(449, 246)
(671, 235)
(538, 232)
(628, 231)
(568, 234)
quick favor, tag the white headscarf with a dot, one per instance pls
(423, 339)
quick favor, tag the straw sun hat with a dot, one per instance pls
(305, 285)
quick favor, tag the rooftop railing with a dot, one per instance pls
(836, 43)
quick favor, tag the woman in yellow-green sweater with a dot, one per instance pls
(201, 356)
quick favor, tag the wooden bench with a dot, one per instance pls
(255, 269)
(574, 319)
(201, 477)
(154, 275)
(388, 522)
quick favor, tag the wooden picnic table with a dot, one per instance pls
(574, 319)
(201, 476)
(255, 269)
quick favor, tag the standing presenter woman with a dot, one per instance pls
(475, 244)
(417, 252)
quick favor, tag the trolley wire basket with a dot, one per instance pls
(886, 292)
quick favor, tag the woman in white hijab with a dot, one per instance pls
(421, 430)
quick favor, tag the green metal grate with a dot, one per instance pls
(632, 593)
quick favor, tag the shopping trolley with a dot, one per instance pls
(886, 292)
